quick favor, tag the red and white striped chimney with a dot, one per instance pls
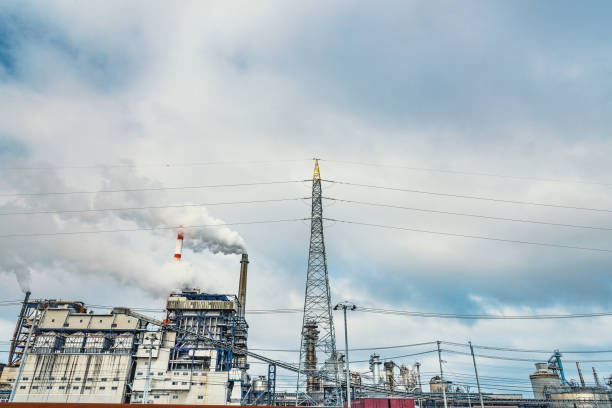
(179, 246)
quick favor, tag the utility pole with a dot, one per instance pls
(476, 372)
(442, 375)
(344, 306)
(25, 354)
(145, 394)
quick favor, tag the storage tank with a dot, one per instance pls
(260, 384)
(588, 397)
(435, 385)
(543, 378)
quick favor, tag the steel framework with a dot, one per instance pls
(318, 340)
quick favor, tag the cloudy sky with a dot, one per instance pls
(509, 101)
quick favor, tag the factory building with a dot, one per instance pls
(62, 352)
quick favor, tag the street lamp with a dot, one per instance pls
(344, 306)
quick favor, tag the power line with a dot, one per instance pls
(167, 165)
(468, 215)
(468, 173)
(451, 234)
(481, 316)
(153, 207)
(469, 197)
(225, 224)
(129, 190)
(522, 350)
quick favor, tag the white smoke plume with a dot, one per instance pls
(117, 256)
(21, 271)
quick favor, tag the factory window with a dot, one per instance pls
(52, 379)
(184, 383)
(36, 378)
(160, 373)
(194, 374)
(102, 388)
(81, 321)
(61, 387)
(116, 379)
(200, 397)
(100, 320)
(25, 378)
(89, 379)
(77, 379)
(52, 320)
(139, 373)
(156, 396)
(64, 378)
(185, 373)
(75, 388)
(104, 379)
(22, 387)
(113, 388)
(201, 383)
(114, 325)
(35, 387)
(175, 397)
(174, 383)
(49, 387)
(88, 388)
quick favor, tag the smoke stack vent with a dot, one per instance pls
(242, 284)
(179, 246)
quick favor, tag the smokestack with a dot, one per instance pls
(18, 326)
(389, 366)
(580, 374)
(244, 262)
(179, 246)
(311, 336)
(596, 377)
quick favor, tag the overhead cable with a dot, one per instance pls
(468, 215)
(166, 165)
(153, 207)
(469, 197)
(462, 172)
(480, 237)
(225, 224)
(480, 316)
(137, 189)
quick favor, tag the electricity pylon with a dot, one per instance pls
(320, 383)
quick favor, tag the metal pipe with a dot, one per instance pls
(418, 368)
(580, 374)
(145, 394)
(476, 372)
(596, 377)
(442, 375)
(23, 357)
(242, 284)
(18, 326)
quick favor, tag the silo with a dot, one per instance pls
(543, 378)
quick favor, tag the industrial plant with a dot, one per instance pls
(198, 354)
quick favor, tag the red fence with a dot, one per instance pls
(382, 403)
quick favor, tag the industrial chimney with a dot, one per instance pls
(244, 262)
(179, 246)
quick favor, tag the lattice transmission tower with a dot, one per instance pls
(319, 384)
